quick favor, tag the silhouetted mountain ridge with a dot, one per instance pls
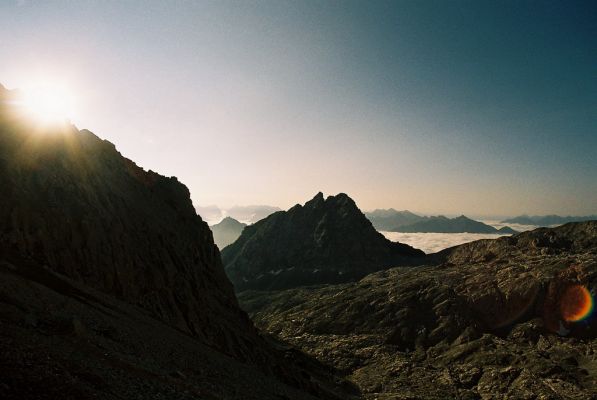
(441, 224)
(405, 221)
(386, 220)
(325, 241)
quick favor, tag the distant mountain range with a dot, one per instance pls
(387, 220)
(443, 224)
(324, 241)
(547, 220)
(245, 214)
(227, 231)
(406, 221)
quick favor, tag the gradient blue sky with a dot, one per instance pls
(475, 107)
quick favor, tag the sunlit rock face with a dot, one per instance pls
(324, 241)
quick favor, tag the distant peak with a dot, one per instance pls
(230, 220)
(339, 200)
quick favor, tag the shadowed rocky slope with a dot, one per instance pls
(60, 339)
(325, 241)
(492, 320)
(77, 218)
(73, 204)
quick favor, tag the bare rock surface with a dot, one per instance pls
(489, 321)
(59, 339)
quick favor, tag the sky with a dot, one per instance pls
(486, 108)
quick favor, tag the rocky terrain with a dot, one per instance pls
(490, 319)
(60, 339)
(227, 231)
(112, 286)
(325, 241)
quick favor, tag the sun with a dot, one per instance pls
(48, 104)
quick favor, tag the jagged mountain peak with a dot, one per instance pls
(318, 198)
(326, 240)
(333, 202)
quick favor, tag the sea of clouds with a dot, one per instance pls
(434, 242)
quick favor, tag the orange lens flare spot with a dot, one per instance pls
(576, 303)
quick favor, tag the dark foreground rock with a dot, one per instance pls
(78, 220)
(492, 320)
(325, 241)
(62, 340)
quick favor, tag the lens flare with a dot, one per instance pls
(576, 303)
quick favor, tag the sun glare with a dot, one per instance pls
(48, 104)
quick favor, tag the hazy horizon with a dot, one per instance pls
(477, 108)
(213, 214)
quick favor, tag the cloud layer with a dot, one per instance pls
(434, 242)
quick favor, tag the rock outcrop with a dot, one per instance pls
(325, 241)
(507, 318)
